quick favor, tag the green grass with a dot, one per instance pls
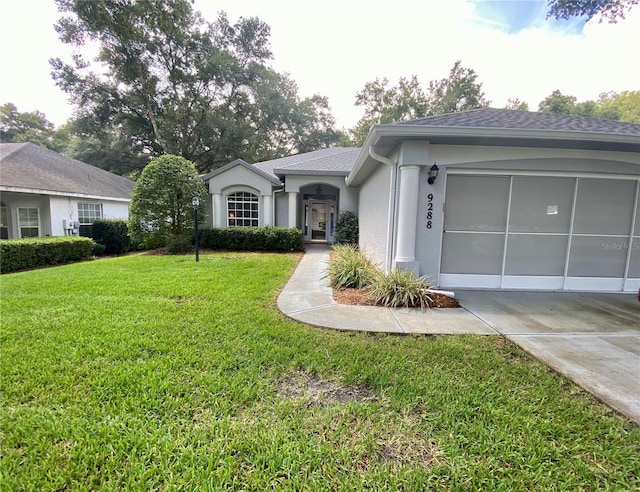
(159, 373)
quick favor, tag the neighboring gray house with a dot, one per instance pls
(44, 193)
(522, 200)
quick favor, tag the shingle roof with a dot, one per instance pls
(29, 166)
(335, 160)
(527, 120)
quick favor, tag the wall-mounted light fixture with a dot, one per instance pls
(433, 174)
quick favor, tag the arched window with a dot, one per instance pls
(242, 209)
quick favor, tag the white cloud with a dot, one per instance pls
(334, 47)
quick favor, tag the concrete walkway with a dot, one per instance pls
(594, 339)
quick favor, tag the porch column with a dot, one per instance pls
(217, 210)
(293, 208)
(267, 210)
(407, 218)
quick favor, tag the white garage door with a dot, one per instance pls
(541, 232)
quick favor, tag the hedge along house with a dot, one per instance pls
(522, 200)
(44, 193)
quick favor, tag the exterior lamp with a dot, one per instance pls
(195, 201)
(433, 174)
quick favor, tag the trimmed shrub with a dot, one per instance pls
(346, 230)
(268, 238)
(179, 244)
(350, 268)
(113, 234)
(24, 254)
(400, 288)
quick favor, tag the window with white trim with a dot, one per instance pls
(242, 209)
(29, 222)
(4, 223)
(89, 212)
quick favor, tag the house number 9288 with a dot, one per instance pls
(429, 210)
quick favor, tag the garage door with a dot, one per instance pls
(541, 232)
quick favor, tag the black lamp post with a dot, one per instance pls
(196, 203)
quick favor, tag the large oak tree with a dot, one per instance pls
(164, 81)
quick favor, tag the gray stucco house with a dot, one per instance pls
(44, 193)
(522, 200)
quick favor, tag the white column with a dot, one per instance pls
(267, 210)
(218, 212)
(407, 218)
(293, 208)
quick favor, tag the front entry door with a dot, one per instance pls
(317, 221)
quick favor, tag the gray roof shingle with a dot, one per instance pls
(527, 120)
(29, 166)
(337, 160)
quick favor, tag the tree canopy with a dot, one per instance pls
(623, 106)
(164, 81)
(612, 10)
(406, 101)
(26, 127)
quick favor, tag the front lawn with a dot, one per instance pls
(160, 373)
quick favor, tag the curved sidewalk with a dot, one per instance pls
(307, 297)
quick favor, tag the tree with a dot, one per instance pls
(517, 104)
(624, 106)
(26, 127)
(459, 92)
(167, 82)
(407, 101)
(558, 103)
(607, 9)
(161, 202)
(384, 104)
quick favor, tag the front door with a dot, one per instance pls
(317, 221)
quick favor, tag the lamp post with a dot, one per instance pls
(196, 203)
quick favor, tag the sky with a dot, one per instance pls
(334, 47)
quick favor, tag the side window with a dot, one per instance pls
(242, 209)
(4, 223)
(29, 222)
(87, 213)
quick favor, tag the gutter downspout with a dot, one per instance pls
(392, 205)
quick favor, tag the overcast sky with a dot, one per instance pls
(333, 48)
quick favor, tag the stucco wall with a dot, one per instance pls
(373, 214)
(239, 175)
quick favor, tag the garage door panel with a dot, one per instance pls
(534, 254)
(598, 256)
(604, 206)
(476, 203)
(478, 253)
(541, 204)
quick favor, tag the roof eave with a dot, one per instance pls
(306, 172)
(489, 135)
(36, 191)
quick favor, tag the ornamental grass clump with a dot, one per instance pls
(400, 288)
(350, 268)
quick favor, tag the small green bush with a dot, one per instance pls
(113, 234)
(25, 254)
(400, 288)
(346, 230)
(349, 267)
(179, 244)
(268, 238)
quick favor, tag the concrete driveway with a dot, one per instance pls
(594, 339)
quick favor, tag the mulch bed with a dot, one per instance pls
(360, 297)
